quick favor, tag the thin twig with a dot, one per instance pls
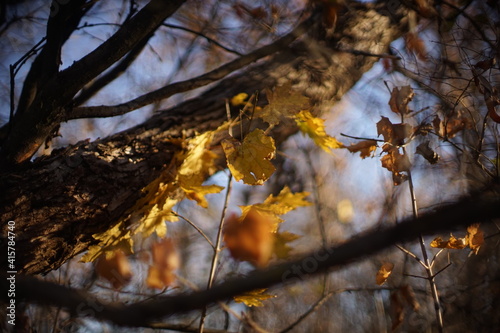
(428, 268)
(215, 258)
(210, 40)
(413, 255)
(360, 138)
(200, 231)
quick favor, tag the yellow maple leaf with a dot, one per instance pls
(110, 240)
(315, 129)
(281, 248)
(155, 217)
(253, 298)
(281, 204)
(283, 102)
(198, 162)
(250, 160)
(384, 272)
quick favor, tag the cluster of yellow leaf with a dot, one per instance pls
(249, 160)
(473, 239)
(253, 236)
(197, 163)
(383, 273)
(149, 213)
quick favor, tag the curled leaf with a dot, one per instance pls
(400, 99)
(394, 134)
(397, 163)
(364, 148)
(239, 99)
(430, 155)
(451, 243)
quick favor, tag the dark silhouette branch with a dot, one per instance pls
(88, 92)
(28, 133)
(480, 207)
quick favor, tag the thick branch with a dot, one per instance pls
(28, 133)
(187, 85)
(482, 207)
(108, 77)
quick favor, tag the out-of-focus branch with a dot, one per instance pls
(182, 86)
(480, 207)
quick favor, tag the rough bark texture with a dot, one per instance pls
(59, 201)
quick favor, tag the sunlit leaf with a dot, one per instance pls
(451, 243)
(198, 162)
(118, 237)
(383, 273)
(475, 237)
(281, 204)
(250, 160)
(253, 298)
(315, 129)
(239, 99)
(281, 248)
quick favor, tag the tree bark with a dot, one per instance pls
(58, 202)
